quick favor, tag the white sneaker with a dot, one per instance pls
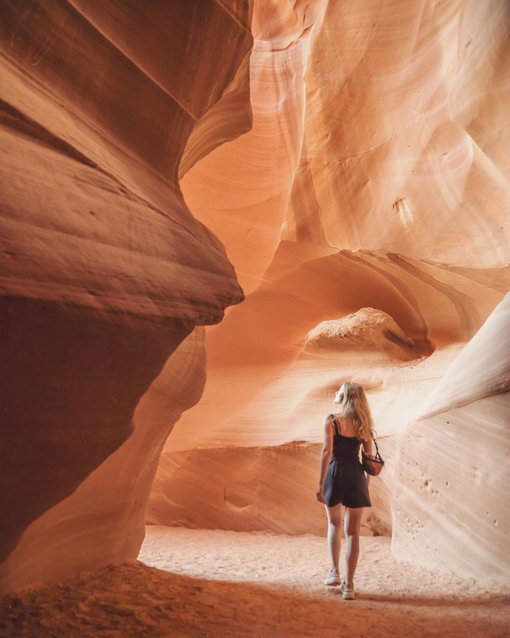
(332, 578)
(347, 591)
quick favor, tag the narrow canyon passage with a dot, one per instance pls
(214, 215)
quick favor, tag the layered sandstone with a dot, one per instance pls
(398, 202)
(104, 270)
(406, 130)
(241, 190)
(265, 388)
(348, 156)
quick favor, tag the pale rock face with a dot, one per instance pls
(241, 190)
(406, 130)
(366, 329)
(104, 271)
(452, 472)
(398, 201)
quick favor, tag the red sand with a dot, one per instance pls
(255, 584)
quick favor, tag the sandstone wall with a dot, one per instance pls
(104, 270)
(450, 492)
(347, 156)
(398, 203)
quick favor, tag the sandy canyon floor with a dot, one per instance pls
(215, 583)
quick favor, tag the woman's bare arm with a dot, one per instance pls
(367, 447)
(327, 450)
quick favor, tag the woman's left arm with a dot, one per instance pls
(367, 447)
(327, 450)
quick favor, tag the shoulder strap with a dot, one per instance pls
(335, 424)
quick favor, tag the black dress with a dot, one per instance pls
(345, 481)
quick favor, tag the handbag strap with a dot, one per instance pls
(376, 448)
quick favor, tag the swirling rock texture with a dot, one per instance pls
(352, 160)
(394, 190)
(105, 273)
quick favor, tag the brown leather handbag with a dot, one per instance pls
(372, 466)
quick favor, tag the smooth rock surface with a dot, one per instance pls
(398, 202)
(330, 157)
(452, 473)
(104, 271)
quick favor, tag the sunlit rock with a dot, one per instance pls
(451, 479)
(332, 157)
(398, 202)
(366, 329)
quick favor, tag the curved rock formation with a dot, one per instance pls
(366, 329)
(104, 270)
(241, 190)
(264, 389)
(405, 132)
(346, 155)
(452, 474)
(398, 202)
(265, 335)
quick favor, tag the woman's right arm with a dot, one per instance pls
(327, 450)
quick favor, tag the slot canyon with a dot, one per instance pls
(213, 214)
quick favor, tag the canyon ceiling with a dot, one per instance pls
(213, 212)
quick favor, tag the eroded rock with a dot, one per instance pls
(450, 493)
(366, 329)
(104, 270)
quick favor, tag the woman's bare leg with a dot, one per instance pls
(352, 520)
(334, 515)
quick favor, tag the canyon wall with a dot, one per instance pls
(338, 162)
(105, 273)
(451, 505)
(395, 231)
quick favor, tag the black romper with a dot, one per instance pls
(345, 482)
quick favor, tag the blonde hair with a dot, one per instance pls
(353, 402)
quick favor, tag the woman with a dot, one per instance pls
(342, 480)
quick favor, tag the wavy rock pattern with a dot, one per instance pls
(265, 389)
(452, 473)
(241, 190)
(396, 199)
(104, 271)
(347, 156)
(264, 336)
(405, 132)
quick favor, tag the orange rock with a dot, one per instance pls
(104, 270)
(329, 156)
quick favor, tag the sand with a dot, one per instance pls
(215, 583)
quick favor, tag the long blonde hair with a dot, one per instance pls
(353, 402)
